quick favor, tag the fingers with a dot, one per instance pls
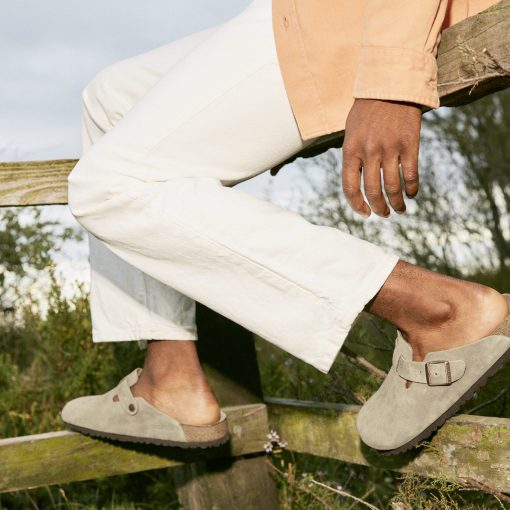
(392, 184)
(276, 169)
(351, 184)
(409, 160)
(370, 167)
(381, 134)
(373, 188)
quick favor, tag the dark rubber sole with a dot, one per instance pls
(498, 365)
(146, 440)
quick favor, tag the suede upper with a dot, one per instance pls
(395, 414)
(119, 412)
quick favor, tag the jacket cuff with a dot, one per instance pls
(398, 74)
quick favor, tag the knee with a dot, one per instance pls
(94, 192)
(89, 188)
(80, 193)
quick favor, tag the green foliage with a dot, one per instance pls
(415, 493)
(27, 247)
(46, 362)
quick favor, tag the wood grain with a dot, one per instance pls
(34, 182)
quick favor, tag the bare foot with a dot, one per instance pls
(435, 312)
(173, 381)
(191, 404)
(473, 317)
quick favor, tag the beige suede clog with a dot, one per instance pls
(119, 415)
(399, 415)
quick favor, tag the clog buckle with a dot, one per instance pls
(438, 373)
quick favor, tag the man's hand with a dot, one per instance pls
(381, 134)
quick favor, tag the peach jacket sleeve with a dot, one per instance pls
(397, 57)
(333, 51)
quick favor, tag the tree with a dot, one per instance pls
(26, 248)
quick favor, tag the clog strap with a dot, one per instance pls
(433, 373)
(124, 394)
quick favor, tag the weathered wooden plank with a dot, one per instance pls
(34, 182)
(466, 446)
(60, 457)
(474, 56)
(231, 483)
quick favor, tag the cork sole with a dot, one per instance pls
(498, 365)
(147, 440)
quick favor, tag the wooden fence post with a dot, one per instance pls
(228, 355)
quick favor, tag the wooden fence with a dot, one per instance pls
(473, 60)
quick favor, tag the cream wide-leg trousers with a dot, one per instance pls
(166, 136)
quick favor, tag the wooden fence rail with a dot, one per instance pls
(62, 457)
(473, 61)
(466, 446)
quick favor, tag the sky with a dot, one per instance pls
(51, 49)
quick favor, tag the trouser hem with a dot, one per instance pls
(118, 335)
(347, 314)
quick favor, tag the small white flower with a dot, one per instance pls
(273, 441)
(273, 436)
(268, 447)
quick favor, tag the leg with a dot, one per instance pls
(437, 312)
(173, 381)
(145, 307)
(175, 175)
(157, 189)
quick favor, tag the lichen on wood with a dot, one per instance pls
(466, 446)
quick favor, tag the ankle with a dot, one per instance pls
(463, 318)
(168, 380)
(190, 404)
(173, 381)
